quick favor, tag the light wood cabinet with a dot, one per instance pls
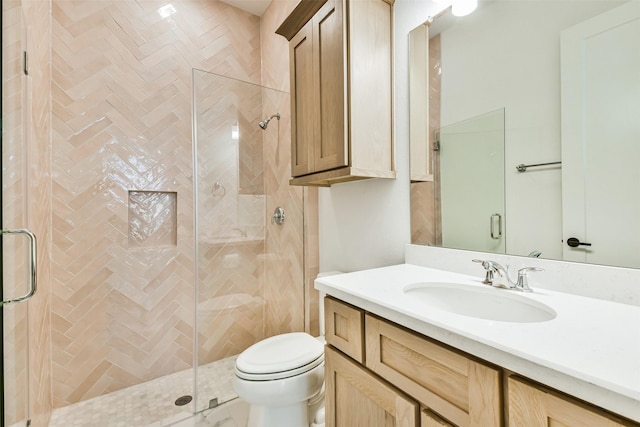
(429, 419)
(369, 360)
(344, 328)
(340, 54)
(450, 388)
(451, 384)
(534, 406)
(355, 397)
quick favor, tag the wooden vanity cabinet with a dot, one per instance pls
(356, 397)
(344, 328)
(399, 370)
(458, 388)
(381, 374)
(340, 56)
(531, 405)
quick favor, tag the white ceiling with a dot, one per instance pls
(257, 7)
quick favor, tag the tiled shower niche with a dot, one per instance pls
(153, 220)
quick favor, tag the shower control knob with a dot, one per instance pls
(278, 216)
(574, 242)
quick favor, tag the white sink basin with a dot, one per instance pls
(472, 301)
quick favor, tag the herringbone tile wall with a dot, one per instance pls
(123, 313)
(290, 307)
(39, 29)
(122, 122)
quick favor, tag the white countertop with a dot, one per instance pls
(590, 350)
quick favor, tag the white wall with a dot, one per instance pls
(365, 224)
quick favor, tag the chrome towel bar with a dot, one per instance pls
(523, 168)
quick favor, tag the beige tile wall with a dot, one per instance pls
(38, 18)
(122, 122)
(296, 243)
(15, 317)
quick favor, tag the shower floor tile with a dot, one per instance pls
(152, 402)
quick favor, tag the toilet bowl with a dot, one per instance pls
(282, 379)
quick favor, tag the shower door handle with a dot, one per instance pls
(495, 221)
(32, 265)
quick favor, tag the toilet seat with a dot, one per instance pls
(281, 356)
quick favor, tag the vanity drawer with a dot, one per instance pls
(344, 328)
(454, 386)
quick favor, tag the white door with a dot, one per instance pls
(601, 138)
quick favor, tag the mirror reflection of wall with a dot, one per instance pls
(507, 54)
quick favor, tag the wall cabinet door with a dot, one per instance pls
(532, 406)
(317, 89)
(341, 90)
(303, 100)
(355, 397)
(330, 148)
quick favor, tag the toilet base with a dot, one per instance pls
(296, 415)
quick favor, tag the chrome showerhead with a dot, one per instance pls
(263, 124)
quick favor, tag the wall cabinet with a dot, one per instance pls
(380, 373)
(340, 54)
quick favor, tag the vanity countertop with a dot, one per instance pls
(591, 350)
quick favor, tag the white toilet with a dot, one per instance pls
(282, 378)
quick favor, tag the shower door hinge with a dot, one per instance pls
(25, 63)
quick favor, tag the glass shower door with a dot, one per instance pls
(231, 130)
(15, 284)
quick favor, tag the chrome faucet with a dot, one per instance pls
(498, 276)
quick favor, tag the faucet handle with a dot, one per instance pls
(523, 283)
(489, 266)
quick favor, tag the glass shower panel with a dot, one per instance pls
(472, 190)
(230, 225)
(14, 320)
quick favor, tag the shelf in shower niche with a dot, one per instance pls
(153, 219)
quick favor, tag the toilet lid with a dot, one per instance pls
(280, 353)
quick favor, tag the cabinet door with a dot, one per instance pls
(328, 36)
(429, 419)
(355, 397)
(344, 328)
(462, 390)
(531, 406)
(303, 101)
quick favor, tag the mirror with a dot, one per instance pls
(558, 70)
